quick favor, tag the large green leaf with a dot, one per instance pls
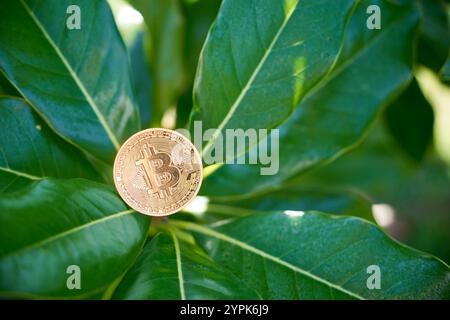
(165, 25)
(54, 224)
(172, 269)
(410, 120)
(376, 167)
(418, 194)
(294, 197)
(78, 80)
(30, 150)
(261, 57)
(319, 256)
(374, 67)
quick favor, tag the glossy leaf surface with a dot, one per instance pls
(170, 269)
(260, 58)
(30, 150)
(77, 79)
(318, 256)
(374, 66)
(297, 198)
(54, 224)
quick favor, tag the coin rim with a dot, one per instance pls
(171, 132)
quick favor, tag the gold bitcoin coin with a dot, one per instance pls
(157, 172)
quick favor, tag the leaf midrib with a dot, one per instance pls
(176, 245)
(223, 237)
(75, 77)
(65, 233)
(342, 67)
(21, 174)
(250, 81)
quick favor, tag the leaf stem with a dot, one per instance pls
(179, 267)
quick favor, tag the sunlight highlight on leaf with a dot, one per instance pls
(198, 206)
(293, 213)
(384, 214)
(128, 15)
(438, 94)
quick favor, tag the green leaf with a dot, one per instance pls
(418, 195)
(166, 29)
(410, 120)
(10, 182)
(261, 57)
(434, 41)
(376, 167)
(319, 256)
(142, 79)
(445, 71)
(170, 269)
(29, 150)
(54, 224)
(374, 67)
(77, 80)
(294, 197)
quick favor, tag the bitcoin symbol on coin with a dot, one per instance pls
(160, 175)
(157, 171)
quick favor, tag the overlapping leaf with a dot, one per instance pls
(54, 224)
(261, 57)
(170, 269)
(296, 198)
(418, 195)
(374, 66)
(376, 167)
(77, 79)
(319, 256)
(29, 150)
